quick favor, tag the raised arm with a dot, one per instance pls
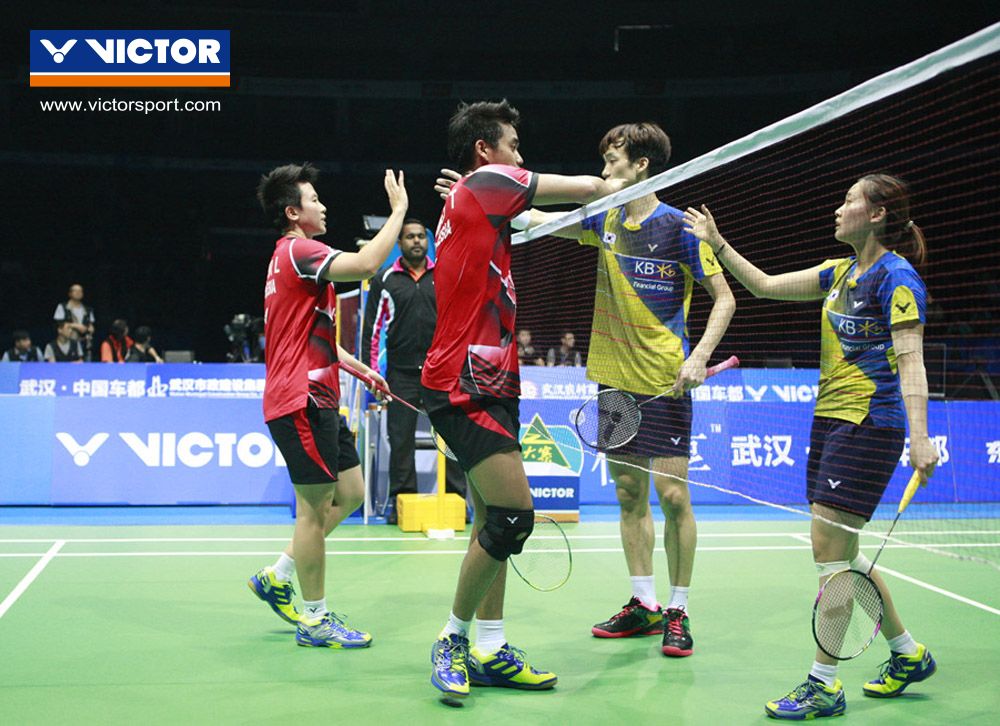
(799, 285)
(349, 266)
(908, 344)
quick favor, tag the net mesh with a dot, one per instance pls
(936, 124)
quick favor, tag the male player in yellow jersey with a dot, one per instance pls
(647, 267)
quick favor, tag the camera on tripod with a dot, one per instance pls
(246, 339)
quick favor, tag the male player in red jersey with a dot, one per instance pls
(472, 386)
(302, 391)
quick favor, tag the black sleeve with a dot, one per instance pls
(371, 309)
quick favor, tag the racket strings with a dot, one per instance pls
(609, 419)
(848, 614)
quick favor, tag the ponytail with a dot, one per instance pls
(900, 234)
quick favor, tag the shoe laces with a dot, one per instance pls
(627, 608)
(675, 622)
(452, 654)
(893, 665)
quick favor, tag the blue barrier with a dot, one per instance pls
(194, 434)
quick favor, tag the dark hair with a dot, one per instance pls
(119, 328)
(411, 220)
(638, 140)
(61, 322)
(474, 121)
(21, 335)
(279, 189)
(900, 233)
(142, 334)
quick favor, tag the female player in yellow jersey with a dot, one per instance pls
(872, 382)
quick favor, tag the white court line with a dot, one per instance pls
(30, 577)
(701, 535)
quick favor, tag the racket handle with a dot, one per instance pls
(911, 489)
(730, 362)
(372, 383)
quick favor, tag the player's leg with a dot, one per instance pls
(493, 661)
(641, 615)
(680, 539)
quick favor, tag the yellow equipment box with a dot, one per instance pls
(419, 512)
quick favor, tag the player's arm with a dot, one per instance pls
(346, 359)
(534, 217)
(349, 266)
(692, 371)
(799, 285)
(559, 189)
(908, 344)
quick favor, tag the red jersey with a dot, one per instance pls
(300, 332)
(474, 351)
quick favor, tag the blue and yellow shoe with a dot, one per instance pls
(507, 668)
(812, 699)
(450, 674)
(330, 631)
(279, 594)
(900, 671)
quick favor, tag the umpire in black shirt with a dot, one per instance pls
(401, 302)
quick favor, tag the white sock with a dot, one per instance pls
(644, 588)
(489, 635)
(314, 609)
(455, 625)
(824, 672)
(679, 598)
(284, 568)
(904, 644)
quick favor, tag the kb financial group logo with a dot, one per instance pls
(129, 58)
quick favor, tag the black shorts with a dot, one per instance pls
(665, 429)
(316, 443)
(850, 465)
(474, 428)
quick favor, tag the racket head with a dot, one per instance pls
(847, 614)
(546, 562)
(442, 445)
(608, 420)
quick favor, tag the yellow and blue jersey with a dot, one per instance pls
(858, 374)
(645, 275)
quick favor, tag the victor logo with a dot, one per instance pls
(82, 453)
(58, 54)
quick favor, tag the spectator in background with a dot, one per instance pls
(401, 301)
(80, 316)
(526, 353)
(565, 354)
(116, 346)
(22, 351)
(65, 348)
(142, 350)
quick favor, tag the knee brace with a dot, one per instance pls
(825, 569)
(505, 531)
(861, 563)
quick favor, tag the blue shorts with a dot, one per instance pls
(665, 429)
(850, 465)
